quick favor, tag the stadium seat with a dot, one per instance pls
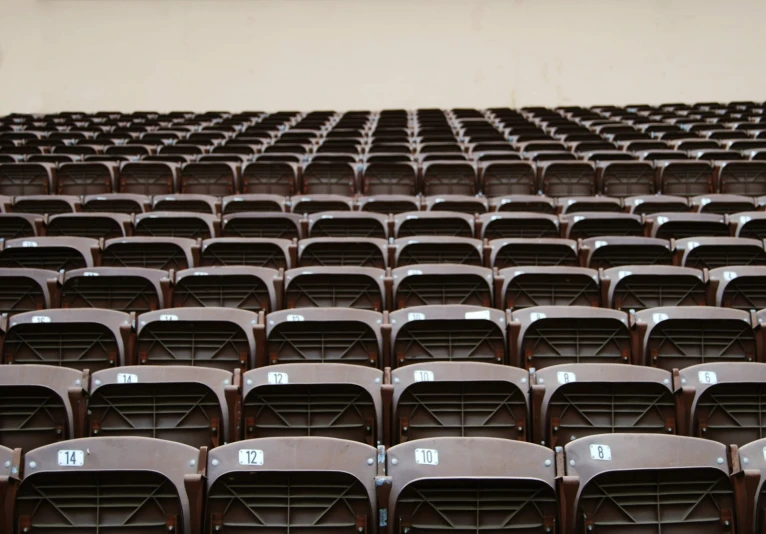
(572, 401)
(529, 203)
(435, 284)
(515, 491)
(209, 178)
(187, 202)
(137, 483)
(17, 179)
(443, 177)
(77, 338)
(518, 224)
(342, 252)
(626, 178)
(605, 252)
(52, 253)
(433, 223)
(567, 178)
(457, 203)
(245, 288)
(336, 287)
(500, 178)
(713, 252)
(568, 205)
(543, 336)
(16, 225)
(722, 204)
(308, 204)
(263, 225)
(347, 224)
(649, 204)
(675, 338)
(252, 202)
(749, 224)
(658, 482)
(148, 177)
(741, 177)
(685, 178)
(176, 224)
(126, 289)
(502, 253)
(637, 287)
(524, 287)
(149, 252)
(739, 287)
(329, 179)
(594, 223)
(311, 484)
(307, 399)
(116, 203)
(448, 333)
(93, 225)
(41, 404)
(682, 225)
(190, 405)
(434, 249)
(459, 399)
(388, 204)
(253, 252)
(389, 178)
(45, 204)
(319, 335)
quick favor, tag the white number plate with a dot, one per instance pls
(424, 376)
(708, 377)
(71, 458)
(565, 377)
(427, 456)
(601, 452)
(250, 457)
(125, 378)
(278, 378)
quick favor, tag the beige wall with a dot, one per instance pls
(343, 54)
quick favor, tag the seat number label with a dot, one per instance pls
(424, 376)
(125, 378)
(707, 377)
(250, 457)
(601, 452)
(71, 458)
(278, 378)
(565, 377)
(427, 456)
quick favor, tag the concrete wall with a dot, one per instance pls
(343, 54)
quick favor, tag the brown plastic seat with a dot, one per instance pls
(150, 252)
(433, 223)
(310, 484)
(523, 287)
(567, 178)
(18, 179)
(127, 289)
(253, 252)
(252, 202)
(246, 288)
(436, 249)
(330, 287)
(677, 337)
(459, 399)
(568, 205)
(515, 491)
(434, 284)
(45, 204)
(682, 225)
(518, 224)
(527, 203)
(329, 179)
(626, 178)
(187, 202)
(307, 399)
(308, 204)
(223, 338)
(637, 287)
(572, 401)
(263, 225)
(86, 178)
(720, 401)
(138, 151)
(148, 177)
(347, 224)
(388, 204)
(186, 224)
(319, 335)
(209, 178)
(662, 483)
(749, 224)
(16, 225)
(77, 338)
(343, 252)
(713, 252)
(390, 178)
(741, 177)
(499, 178)
(457, 203)
(502, 253)
(23, 290)
(739, 287)
(589, 224)
(40, 404)
(543, 336)
(722, 204)
(273, 178)
(125, 483)
(191, 405)
(117, 203)
(442, 177)
(448, 333)
(52, 253)
(685, 178)
(94, 225)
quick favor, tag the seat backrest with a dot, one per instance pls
(680, 225)
(347, 224)
(437, 249)
(150, 252)
(176, 224)
(518, 224)
(245, 288)
(713, 252)
(523, 287)
(148, 177)
(331, 287)
(127, 289)
(390, 178)
(433, 223)
(637, 287)
(434, 284)
(52, 253)
(739, 287)
(254, 252)
(343, 252)
(23, 290)
(329, 179)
